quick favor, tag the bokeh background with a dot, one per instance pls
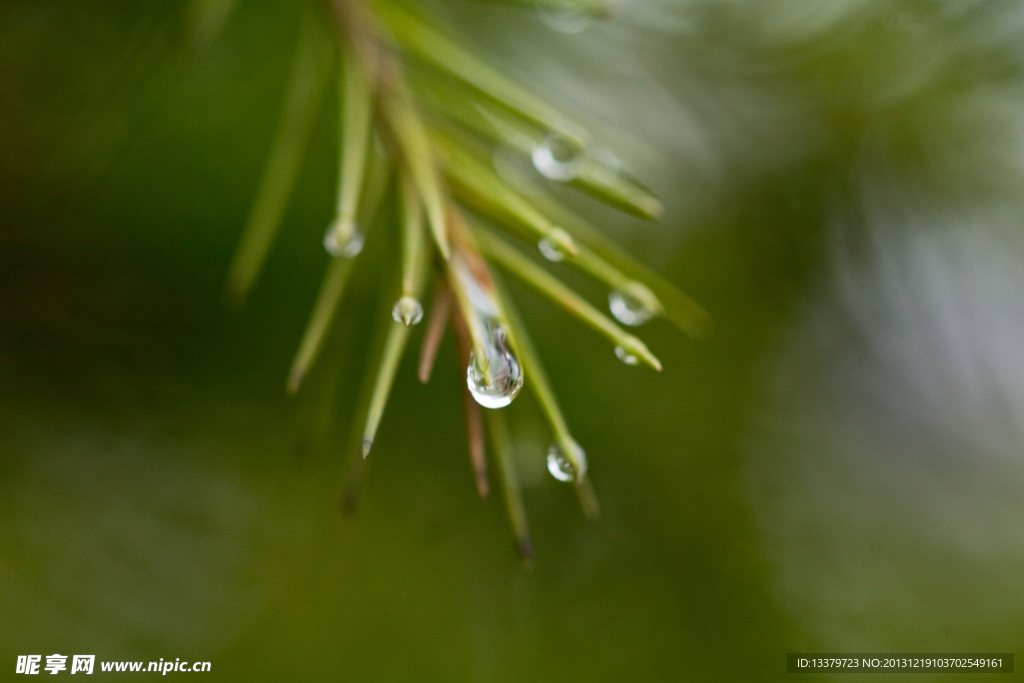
(838, 468)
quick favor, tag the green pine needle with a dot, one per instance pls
(394, 345)
(324, 309)
(437, 120)
(356, 103)
(502, 443)
(309, 75)
(433, 47)
(679, 309)
(541, 387)
(545, 283)
(476, 184)
(418, 157)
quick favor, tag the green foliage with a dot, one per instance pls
(480, 112)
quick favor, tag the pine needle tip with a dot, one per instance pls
(524, 546)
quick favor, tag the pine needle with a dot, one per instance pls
(474, 419)
(302, 106)
(417, 154)
(498, 429)
(440, 311)
(477, 185)
(327, 301)
(336, 277)
(545, 396)
(204, 20)
(556, 291)
(414, 248)
(398, 335)
(356, 104)
(681, 310)
(582, 170)
(394, 345)
(431, 46)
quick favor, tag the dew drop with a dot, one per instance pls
(550, 250)
(555, 158)
(560, 467)
(350, 249)
(407, 310)
(626, 357)
(506, 376)
(628, 309)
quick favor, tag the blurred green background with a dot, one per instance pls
(160, 496)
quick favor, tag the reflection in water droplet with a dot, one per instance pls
(350, 249)
(555, 158)
(560, 466)
(626, 357)
(503, 367)
(495, 378)
(407, 310)
(568, 21)
(628, 309)
(550, 250)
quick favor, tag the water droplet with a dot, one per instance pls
(626, 357)
(568, 21)
(407, 310)
(350, 249)
(560, 467)
(555, 158)
(550, 250)
(506, 376)
(628, 309)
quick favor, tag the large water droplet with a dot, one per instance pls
(506, 376)
(555, 158)
(350, 249)
(626, 357)
(560, 467)
(568, 21)
(628, 309)
(407, 310)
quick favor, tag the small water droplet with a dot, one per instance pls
(550, 250)
(350, 249)
(407, 310)
(568, 21)
(560, 467)
(555, 158)
(628, 309)
(626, 357)
(505, 372)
